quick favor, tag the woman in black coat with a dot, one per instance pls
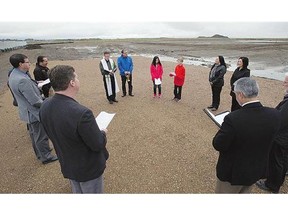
(216, 79)
(241, 71)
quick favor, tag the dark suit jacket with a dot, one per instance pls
(282, 137)
(78, 142)
(244, 142)
(237, 74)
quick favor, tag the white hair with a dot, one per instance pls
(247, 86)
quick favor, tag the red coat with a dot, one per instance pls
(156, 72)
(180, 75)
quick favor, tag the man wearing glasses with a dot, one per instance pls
(29, 101)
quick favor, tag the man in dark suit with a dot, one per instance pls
(41, 73)
(245, 140)
(278, 160)
(78, 142)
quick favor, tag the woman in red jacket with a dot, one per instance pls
(156, 70)
(179, 78)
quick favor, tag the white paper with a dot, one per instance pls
(158, 81)
(43, 83)
(219, 118)
(104, 119)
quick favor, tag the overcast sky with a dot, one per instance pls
(44, 30)
(143, 18)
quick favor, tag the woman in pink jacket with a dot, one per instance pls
(156, 70)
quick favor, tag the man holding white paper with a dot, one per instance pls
(79, 143)
(41, 74)
(156, 71)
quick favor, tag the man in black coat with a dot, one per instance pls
(278, 160)
(78, 142)
(41, 74)
(245, 140)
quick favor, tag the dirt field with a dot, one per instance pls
(155, 145)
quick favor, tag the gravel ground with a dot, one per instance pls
(155, 145)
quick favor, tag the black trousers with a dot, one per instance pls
(177, 92)
(278, 166)
(155, 88)
(130, 87)
(235, 105)
(113, 96)
(216, 91)
(45, 90)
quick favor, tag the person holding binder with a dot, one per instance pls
(156, 71)
(244, 140)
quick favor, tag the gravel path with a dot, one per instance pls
(155, 145)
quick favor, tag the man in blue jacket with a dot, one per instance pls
(125, 65)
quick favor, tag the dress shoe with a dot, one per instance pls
(116, 101)
(123, 95)
(50, 160)
(261, 184)
(210, 107)
(131, 95)
(213, 109)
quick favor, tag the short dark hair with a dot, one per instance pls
(245, 61)
(40, 59)
(106, 52)
(60, 76)
(16, 59)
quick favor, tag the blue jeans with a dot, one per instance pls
(92, 186)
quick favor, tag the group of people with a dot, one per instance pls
(108, 68)
(79, 144)
(216, 80)
(252, 141)
(125, 64)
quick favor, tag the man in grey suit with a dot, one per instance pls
(29, 101)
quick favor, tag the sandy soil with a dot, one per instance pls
(155, 145)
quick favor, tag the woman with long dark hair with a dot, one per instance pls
(216, 79)
(241, 71)
(156, 71)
